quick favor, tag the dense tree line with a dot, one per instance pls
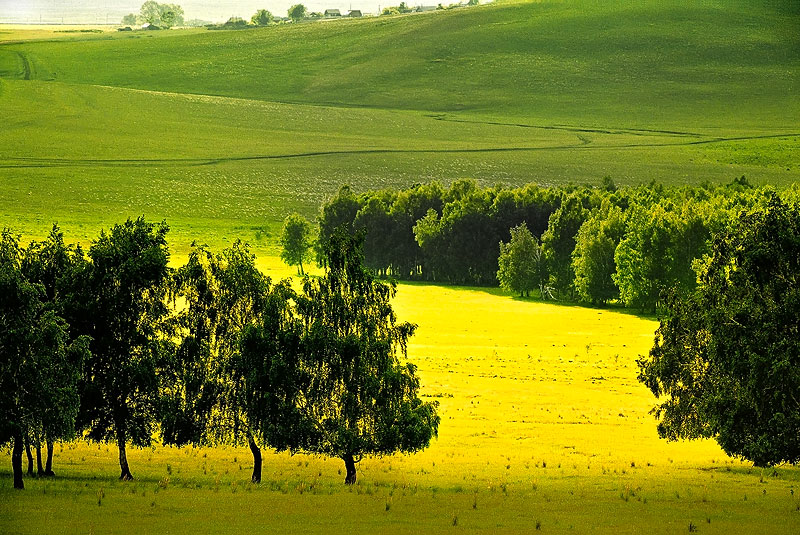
(591, 244)
(113, 345)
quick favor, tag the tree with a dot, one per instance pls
(727, 356)
(296, 241)
(376, 223)
(262, 17)
(150, 13)
(520, 262)
(129, 19)
(164, 15)
(660, 246)
(338, 212)
(39, 369)
(170, 16)
(558, 242)
(124, 311)
(51, 264)
(233, 378)
(593, 257)
(297, 12)
(360, 399)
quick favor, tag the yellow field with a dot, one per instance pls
(32, 32)
(543, 423)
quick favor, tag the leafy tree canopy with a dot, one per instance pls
(361, 399)
(162, 15)
(296, 241)
(520, 262)
(262, 17)
(39, 368)
(124, 311)
(727, 356)
(297, 12)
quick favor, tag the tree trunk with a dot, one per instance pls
(30, 458)
(16, 461)
(254, 449)
(48, 467)
(350, 466)
(39, 467)
(125, 474)
(301, 268)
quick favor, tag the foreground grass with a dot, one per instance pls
(543, 424)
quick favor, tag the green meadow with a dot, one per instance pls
(223, 133)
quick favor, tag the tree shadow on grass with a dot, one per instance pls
(534, 299)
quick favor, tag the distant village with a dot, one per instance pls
(155, 16)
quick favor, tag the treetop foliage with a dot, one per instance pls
(361, 399)
(598, 243)
(727, 356)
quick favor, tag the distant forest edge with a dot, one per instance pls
(581, 243)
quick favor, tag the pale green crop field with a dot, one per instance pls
(543, 422)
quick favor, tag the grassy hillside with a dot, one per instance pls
(543, 423)
(625, 64)
(225, 132)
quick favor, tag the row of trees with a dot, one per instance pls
(592, 244)
(113, 344)
(157, 15)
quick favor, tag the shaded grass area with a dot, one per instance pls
(543, 423)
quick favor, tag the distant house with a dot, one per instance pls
(148, 26)
(355, 13)
(330, 13)
(426, 8)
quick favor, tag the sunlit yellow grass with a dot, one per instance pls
(543, 422)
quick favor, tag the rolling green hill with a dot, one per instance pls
(228, 131)
(640, 63)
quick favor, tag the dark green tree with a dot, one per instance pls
(51, 264)
(376, 223)
(727, 356)
(558, 242)
(234, 376)
(124, 310)
(297, 12)
(521, 266)
(296, 241)
(338, 212)
(661, 244)
(39, 368)
(360, 399)
(593, 257)
(262, 17)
